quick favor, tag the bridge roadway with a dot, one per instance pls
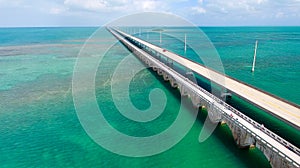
(262, 135)
(289, 112)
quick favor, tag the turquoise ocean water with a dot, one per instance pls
(38, 122)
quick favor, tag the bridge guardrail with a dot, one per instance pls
(230, 108)
(254, 123)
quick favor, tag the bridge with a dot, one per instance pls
(246, 132)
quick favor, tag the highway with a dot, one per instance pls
(261, 134)
(286, 111)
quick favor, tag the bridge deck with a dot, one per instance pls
(284, 110)
(240, 119)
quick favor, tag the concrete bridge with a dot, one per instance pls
(246, 132)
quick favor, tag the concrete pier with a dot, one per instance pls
(246, 132)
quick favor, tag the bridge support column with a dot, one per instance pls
(159, 72)
(242, 138)
(183, 90)
(166, 76)
(203, 103)
(275, 159)
(213, 114)
(147, 62)
(173, 83)
(195, 100)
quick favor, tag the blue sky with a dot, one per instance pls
(15, 13)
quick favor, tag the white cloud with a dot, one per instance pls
(261, 1)
(228, 12)
(148, 5)
(200, 2)
(246, 12)
(120, 6)
(87, 4)
(198, 9)
(242, 6)
(247, 6)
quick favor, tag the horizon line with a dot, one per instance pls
(95, 26)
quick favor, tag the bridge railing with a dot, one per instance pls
(230, 108)
(249, 120)
(252, 122)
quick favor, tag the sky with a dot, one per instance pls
(41, 13)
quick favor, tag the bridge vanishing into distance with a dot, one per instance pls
(246, 132)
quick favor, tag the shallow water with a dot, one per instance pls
(38, 122)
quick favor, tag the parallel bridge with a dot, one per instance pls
(246, 131)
